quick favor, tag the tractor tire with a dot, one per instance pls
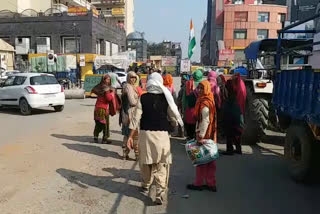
(256, 117)
(301, 150)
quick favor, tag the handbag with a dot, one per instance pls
(202, 154)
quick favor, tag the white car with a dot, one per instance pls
(122, 76)
(32, 90)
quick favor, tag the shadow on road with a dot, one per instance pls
(132, 175)
(83, 139)
(16, 111)
(251, 183)
(94, 150)
(84, 180)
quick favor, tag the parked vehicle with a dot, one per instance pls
(32, 90)
(296, 100)
(122, 75)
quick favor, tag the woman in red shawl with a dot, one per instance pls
(212, 78)
(234, 110)
(205, 113)
(105, 92)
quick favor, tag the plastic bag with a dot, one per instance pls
(202, 154)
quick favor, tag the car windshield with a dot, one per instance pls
(43, 80)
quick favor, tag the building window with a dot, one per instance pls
(237, 1)
(70, 46)
(281, 17)
(98, 47)
(262, 34)
(240, 34)
(241, 16)
(263, 17)
(43, 44)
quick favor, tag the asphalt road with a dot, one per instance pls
(50, 165)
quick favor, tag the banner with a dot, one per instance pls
(168, 61)
(185, 66)
(77, 11)
(226, 54)
(82, 60)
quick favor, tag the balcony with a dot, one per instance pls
(107, 2)
(106, 13)
(77, 3)
(60, 7)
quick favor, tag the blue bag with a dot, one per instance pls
(202, 154)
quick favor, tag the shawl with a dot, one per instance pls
(206, 100)
(102, 87)
(155, 86)
(212, 77)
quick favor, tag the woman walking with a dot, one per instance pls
(233, 118)
(105, 94)
(130, 97)
(205, 113)
(154, 113)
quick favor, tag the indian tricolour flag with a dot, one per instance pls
(192, 41)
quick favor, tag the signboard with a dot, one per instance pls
(117, 11)
(82, 60)
(226, 54)
(168, 61)
(185, 65)
(91, 81)
(77, 11)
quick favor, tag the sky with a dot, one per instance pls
(170, 20)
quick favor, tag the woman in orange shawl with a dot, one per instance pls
(205, 114)
(168, 83)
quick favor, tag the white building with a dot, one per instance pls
(41, 5)
(121, 11)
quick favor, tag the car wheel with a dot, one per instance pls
(58, 108)
(24, 106)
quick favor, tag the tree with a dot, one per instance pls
(156, 49)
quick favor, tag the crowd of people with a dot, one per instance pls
(201, 110)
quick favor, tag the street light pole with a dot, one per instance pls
(76, 51)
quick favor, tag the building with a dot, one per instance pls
(62, 33)
(244, 24)
(6, 56)
(136, 41)
(121, 11)
(27, 6)
(246, 21)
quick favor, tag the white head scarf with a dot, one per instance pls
(155, 86)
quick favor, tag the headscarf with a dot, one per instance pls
(167, 80)
(206, 100)
(197, 77)
(155, 86)
(102, 87)
(133, 74)
(212, 77)
(241, 92)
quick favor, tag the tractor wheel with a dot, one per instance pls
(301, 150)
(256, 117)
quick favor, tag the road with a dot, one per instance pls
(50, 165)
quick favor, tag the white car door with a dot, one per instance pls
(15, 91)
(5, 98)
